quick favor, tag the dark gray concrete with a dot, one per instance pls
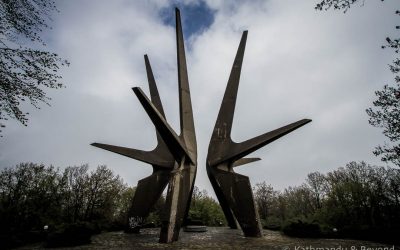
(233, 190)
(149, 189)
(174, 160)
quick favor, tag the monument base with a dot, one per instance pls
(195, 229)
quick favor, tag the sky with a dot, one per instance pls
(299, 63)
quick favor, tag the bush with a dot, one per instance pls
(112, 226)
(15, 239)
(73, 234)
(302, 229)
(272, 223)
(384, 235)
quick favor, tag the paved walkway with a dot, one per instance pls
(221, 238)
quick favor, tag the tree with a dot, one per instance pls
(76, 181)
(33, 195)
(299, 202)
(386, 111)
(386, 115)
(25, 71)
(93, 196)
(105, 191)
(205, 209)
(264, 196)
(30, 197)
(337, 4)
(361, 194)
(124, 202)
(316, 181)
(359, 200)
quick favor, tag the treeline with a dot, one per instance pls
(355, 201)
(75, 203)
(33, 196)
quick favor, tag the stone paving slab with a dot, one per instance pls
(221, 238)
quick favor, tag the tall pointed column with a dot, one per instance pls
(149, 189)
(183, 147)
(174, 159)
(181, 185)
(233, 190)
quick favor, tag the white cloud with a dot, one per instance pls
(299, 63)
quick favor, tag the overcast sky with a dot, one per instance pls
(299, 63)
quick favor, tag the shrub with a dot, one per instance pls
(302, 229)
(73, 234)
(272, 223)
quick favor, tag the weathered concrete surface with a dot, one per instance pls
(149, 189)
(174, 160)
(234, 191)
(221, 238)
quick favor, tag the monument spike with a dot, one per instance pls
(223, 125)
(239, 150)
(155, 96)
(151, 157)
(174, 159)
(182, 181)
(149, 189)
(185, 103)
(244, 148)
(233, 190)
(148, 192)
(243, 161)
(226, 209)
(173, 141)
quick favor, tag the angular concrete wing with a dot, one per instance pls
(182, 181)
(244, 161)
(149, 189)
(174, 160)
(233, 190)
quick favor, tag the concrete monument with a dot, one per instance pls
(174, 160)
(233, 190)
